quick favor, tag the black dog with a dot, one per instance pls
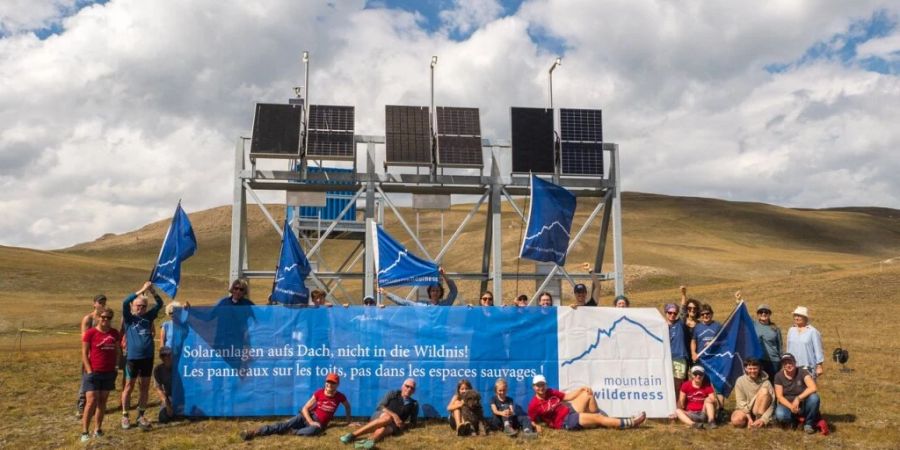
(472, 414)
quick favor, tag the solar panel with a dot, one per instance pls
(459, 137)
(407, 135)
(331, 132)
(581, 136)
(276, 131)
(532, 139)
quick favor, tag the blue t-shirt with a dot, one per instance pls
(704, 334)
(677, 341)
(139, 329)
(244, 301)
(167, 327)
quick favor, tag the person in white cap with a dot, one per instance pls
(697, 401)
(572, 410)
(805, 343)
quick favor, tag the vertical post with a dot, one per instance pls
(496, 222)
(556, 163)
(617, 223)
(433, 123)
(238, 210)
(369, 287)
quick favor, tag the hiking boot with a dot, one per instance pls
(144, 423)
(822, 425)
(347, 438)
(509, 430)
(85, 437)
(528, 433)
(126, 422)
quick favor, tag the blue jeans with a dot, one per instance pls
(297, 426)
(809, 410)
(517, 422)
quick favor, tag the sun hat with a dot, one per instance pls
(762, 307)
(802, 311)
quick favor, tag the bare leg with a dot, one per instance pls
(126, 395)
(762, 402)
(457, 417)
(376, 424)
(710, 407)
(89, 406)
(101, 408)
(144, 392)
(739, 419)
(592, 420)
(581, 402)
(683, 417)
(382, 433)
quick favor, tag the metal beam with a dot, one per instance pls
(238, 223)
(409, 230)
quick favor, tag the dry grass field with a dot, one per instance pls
(837, 262)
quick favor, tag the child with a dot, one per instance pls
(504, 409)
(457, 423)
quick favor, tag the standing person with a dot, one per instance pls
(572, 410)
(504, 413)
(677, 344)
(99, 348)
(621, 301)
(166, 336)
(690, 314)
(138, 322)
(239, 294)
(87, 322)
(162, 381)
(521, 301)
(797, 395)
(313, 417)
(545, 299)
(754, 397)
(396, 412)
(697, 401)
(805, 343)
(487, 299)
(770, 338)
(317, 298)
(435, 294)
(705, 331)
(581, 291)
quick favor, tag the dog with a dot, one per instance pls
(472, 414)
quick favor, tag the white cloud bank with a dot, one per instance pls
(137, 104)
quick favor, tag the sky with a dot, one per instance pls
(110, 112)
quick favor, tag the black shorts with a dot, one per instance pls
(98, 381)
(138, 368)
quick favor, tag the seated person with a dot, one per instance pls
(313, 417)
(796, 393)
(455, 406)
(504, 409)
(697, 401)
(572, 410)
(396, 412)
(435, 294)
(754, 397)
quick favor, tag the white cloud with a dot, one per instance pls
(887, 48)
(137, 104)
(23, 15)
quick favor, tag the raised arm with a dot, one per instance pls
(595, 283)
(397, 299)
(451, 286)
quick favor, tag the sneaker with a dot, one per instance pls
(509, 430)
(822, 425)
(98, 434)
(712, 425)
(528, 433)
(144, 423)
(85, 437)
(697, 425)
(808, 429)
(367, 444)
(126, 422)
(347, 438)
(246, 435)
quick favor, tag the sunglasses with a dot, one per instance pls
(140, 306)
(705, 314)
(408, 386)
(487, 298)
(330, 382)
(697, 374)
(106, 317)
(764, 312)
(671, 313)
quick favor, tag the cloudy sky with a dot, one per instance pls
(112, 111)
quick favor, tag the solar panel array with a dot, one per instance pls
(330, 131)
(459, 137)
(276, 131)
(581, 136)
(407, 135)
(532, 139)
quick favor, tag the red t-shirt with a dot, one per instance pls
(551, 410)
(102, 349)
(326, 406)
(695, 396)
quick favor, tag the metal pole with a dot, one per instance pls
(433, 123)
(237, 210)
(617, 224)
(369, 264)
(305, 107)
(556, 64)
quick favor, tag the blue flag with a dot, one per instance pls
(549, 222)
(178, 246)
(724, 357)
(293, 267)
(396, 266)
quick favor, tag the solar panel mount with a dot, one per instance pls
(330, 132)
(407, 135)
(581, 141)
(459, 137)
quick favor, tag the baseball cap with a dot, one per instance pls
(788, 357)
(698, 369)
(763, 307)
(333, 378)
(580, 288)
(369, 300)
(539, 379)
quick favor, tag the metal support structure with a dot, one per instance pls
(377, 189)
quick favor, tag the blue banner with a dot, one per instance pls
(549, 222)
(179, 245)
(289, 287)
(265, 360)
(396, 266)
(724, 357)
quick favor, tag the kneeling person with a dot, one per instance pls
(572, 410)
(314, 415)
(754, 397)
(796, 392)
(162, 381)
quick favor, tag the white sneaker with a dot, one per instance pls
(126, 422)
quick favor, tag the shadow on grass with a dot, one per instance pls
(839, 418)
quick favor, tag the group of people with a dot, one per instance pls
(779, 386)
(398, 411)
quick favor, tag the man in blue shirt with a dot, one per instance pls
(138, 319)
(678, 345)
(240, 291)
